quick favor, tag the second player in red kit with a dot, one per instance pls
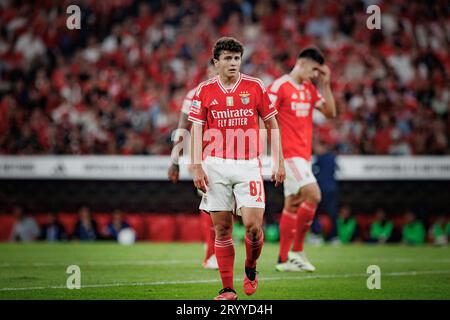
(295, 97)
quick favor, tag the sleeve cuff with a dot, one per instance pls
(195, 120)
(319, 103)
(270, 115)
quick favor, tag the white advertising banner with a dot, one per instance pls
(393, 168)
(85, 167)
(155, 167)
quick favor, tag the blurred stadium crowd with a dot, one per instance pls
(116, 85)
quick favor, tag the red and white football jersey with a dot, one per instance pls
(231, 115)
(295, 104)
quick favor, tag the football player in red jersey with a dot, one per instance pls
(295, 97)
(209, 261)
(224, 154)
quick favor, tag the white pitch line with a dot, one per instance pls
(168, 262)
(307, 277)
(98, 263)
(394, 260)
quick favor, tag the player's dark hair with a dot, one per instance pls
(313, 54)
(227, 44)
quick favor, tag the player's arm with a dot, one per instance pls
(199, 175)
(197, 115)
(274, 137)
(174, 169)
(328, 106)
(268, 111)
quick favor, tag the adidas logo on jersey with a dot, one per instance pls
(214, 103)
(294, 96)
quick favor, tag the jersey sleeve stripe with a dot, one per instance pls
(270, 115)
(195, 120)
(319, 103)
(205, 83)
(258, 81)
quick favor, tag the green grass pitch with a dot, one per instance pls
(173, 271)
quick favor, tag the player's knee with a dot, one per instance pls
(313, 196)
(222, 231)
(291, 209)
(253, 230)
(292, 204)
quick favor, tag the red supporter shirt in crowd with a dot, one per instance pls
(295, 104)
(231, 115)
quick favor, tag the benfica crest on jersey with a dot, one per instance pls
(245, 97)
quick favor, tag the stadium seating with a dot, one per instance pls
(136, 222)
(189, 228)
(6, 225)
(68, 220)
(160, 227)
(364, 221)
(398, 221)
(183, 227)
(325, 223)
(41, 218)
(102, 219)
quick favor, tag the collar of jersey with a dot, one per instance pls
(297, 86)
(233, 88)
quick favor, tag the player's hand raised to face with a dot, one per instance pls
(200, 178)
(324, 75)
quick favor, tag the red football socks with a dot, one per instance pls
(208, 234)
(305, 216)
(288, 226)
(225, 259)
(253, 250)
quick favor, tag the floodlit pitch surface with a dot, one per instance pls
(173, 271)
